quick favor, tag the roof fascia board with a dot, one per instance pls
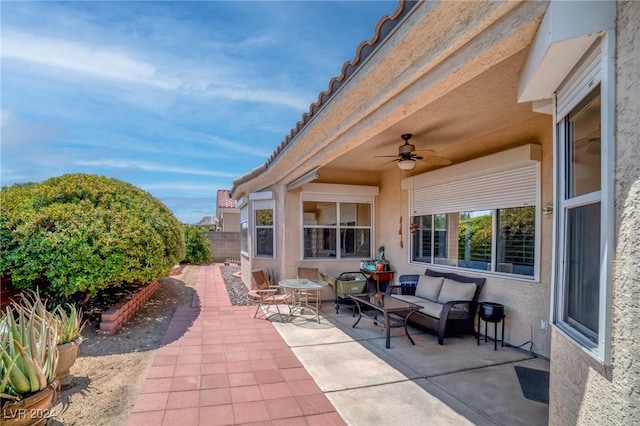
(243, 183)
(345, 86)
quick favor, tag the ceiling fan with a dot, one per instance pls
(407, 155)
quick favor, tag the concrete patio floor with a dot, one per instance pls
(456, 383)
(219, 365)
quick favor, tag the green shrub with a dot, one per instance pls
(82, 233)
(197, 244)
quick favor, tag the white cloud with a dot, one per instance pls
(6, 117)
(83, 58)
(117, 64)
(249, 148)
(180, 186)
(260, 96)
(151, 167)
(191, 209)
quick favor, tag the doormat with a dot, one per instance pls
(534, 383)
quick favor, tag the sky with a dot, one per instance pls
(177, 98)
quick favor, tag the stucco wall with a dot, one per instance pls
(230, 221)
(526, 302)
(583, 392)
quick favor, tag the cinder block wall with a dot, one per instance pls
(224, 245)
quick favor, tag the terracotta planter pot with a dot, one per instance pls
(34, 410)
(67, 355)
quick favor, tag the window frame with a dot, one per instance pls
(244, 230)
(338, 228)
(337, 193)
(597, 67)
(255, 207)
(493, 264)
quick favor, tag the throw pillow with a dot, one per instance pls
(429, 287)
(455, 290)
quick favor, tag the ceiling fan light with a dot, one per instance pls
(407, 164)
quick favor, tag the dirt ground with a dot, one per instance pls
(111, 370)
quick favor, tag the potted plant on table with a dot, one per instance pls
(70, 325)
(28, 359)
(383, 261)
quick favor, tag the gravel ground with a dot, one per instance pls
(235, 287)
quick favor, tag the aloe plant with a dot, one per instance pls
(28, 354)
(69, 322)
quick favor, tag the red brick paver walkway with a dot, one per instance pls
(220, 366)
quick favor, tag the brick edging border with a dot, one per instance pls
(112, 320)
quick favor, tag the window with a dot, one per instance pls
(500, 240)
(263, 221)
(338, 230)
(581, 216)
(481, 215)
(583, 179)
(244, 230)
(264, 232)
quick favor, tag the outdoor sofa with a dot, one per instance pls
(449, 301)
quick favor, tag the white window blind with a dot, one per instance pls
(263, 205)
(343, 198)
(503, 189)
(339, 193)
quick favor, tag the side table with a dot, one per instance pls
(491, 312)
(378, 276)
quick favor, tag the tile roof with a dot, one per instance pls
(224, 199)
(385, 25)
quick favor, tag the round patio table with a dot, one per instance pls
(303, 291)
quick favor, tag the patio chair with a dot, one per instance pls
(310, 296)
(406, 284)
(266, 295)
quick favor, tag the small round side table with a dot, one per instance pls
(491, 312)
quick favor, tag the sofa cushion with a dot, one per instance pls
(410, 298)
(429, 287)
(432, 309)
(454, 290)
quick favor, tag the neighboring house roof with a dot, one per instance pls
(224, 199)
(208, 220)
(385, 25)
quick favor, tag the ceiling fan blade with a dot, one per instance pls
(385, 156)
(438, 161)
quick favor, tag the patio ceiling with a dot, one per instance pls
(478, 118)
